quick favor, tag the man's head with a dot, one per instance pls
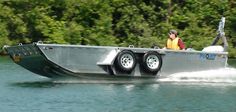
(173, 34)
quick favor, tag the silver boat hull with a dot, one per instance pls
(59, 61)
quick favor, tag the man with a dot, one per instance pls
(174, 42)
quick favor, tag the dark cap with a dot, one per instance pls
(173, 32)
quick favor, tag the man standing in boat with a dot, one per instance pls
(174, 42)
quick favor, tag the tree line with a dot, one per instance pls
(142, 23)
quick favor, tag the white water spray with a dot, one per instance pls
(223, 75)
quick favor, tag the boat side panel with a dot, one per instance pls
(174, 62)
(77, 59)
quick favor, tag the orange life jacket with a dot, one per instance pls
(173, 44)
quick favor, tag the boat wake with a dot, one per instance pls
(224, 75)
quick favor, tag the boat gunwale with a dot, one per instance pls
(133, 48)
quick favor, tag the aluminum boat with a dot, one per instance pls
(84, 61)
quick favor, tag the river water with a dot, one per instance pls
(205, 91)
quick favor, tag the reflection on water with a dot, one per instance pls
(36, 84)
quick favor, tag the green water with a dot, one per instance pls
(22, 91)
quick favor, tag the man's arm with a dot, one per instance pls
(181, 44)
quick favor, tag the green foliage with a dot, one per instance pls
(141, 23)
